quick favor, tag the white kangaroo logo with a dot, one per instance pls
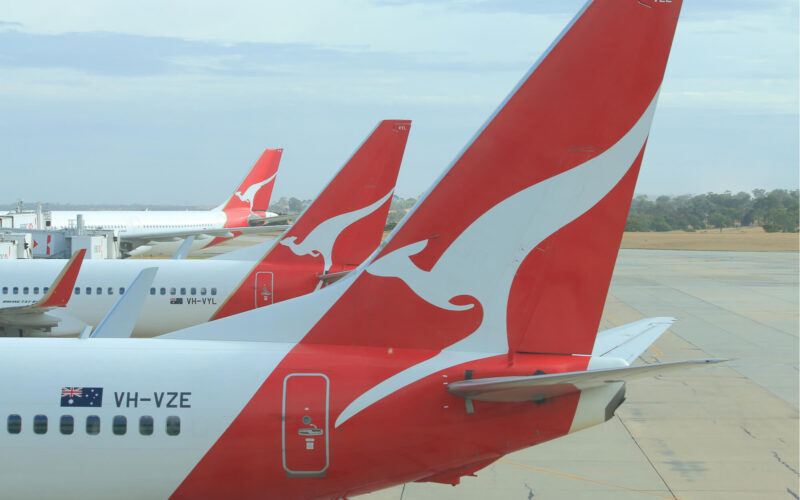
(499, 245)
(321, 239)
(250, 193)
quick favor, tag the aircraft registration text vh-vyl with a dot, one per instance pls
(471, 333)
(337, 231)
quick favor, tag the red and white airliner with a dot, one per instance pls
(470, 334)
(158, 232)
(336, 233)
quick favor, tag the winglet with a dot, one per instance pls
(121, 319)
(61, 289)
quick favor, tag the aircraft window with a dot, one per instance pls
(119, 425)
(25, 290)
(163, 291)
(88, 290)
(99, 290)
(194, 291)
(121, 290)
(152, 291)
(173, 426)
(146, 425)
(172, 291)
(16, 290)
(45, 289)
(67, 424)
(40, 424)
(111, 290)
(5, 290)
(14, 424)
(213, 291)
(36, 290)
(77, 290)
(93, 425)
(203, 291)
(183, 290)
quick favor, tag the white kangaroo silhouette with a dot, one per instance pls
(250, 193)
(499, 244)
(321, 239)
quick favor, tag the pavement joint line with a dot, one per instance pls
(589, 480)
(644, 454)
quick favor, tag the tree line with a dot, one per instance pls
(776, 210)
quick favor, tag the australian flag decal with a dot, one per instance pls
(82, 396)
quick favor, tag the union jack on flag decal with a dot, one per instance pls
(82, 396)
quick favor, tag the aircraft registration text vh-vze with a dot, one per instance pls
(337, 232)
(159, 232)
(471, 333)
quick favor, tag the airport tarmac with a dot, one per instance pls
(728, 431)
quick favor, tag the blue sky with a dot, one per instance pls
(171, 101)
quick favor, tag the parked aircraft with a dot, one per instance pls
(158, 232)
(471, 334)
(340, 229)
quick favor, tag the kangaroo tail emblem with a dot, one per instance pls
(321, 239)
(250, 193)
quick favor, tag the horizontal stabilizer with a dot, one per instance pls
(121, 319)
(511, 389)
(183, 251)
(629, 341)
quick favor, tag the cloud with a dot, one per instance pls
(160, 88)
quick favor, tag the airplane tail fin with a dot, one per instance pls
(340, 228)
(513, 248)
(254, 193)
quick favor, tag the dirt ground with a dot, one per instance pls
(750, 239)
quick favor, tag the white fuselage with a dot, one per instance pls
(208, 385)
(131, 224)
(184, 292)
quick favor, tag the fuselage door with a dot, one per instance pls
(264, 288)
(305, 424)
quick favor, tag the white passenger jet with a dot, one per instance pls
(340, 229)
(158, 232)
(471, 334)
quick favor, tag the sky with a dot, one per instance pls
(171, 101)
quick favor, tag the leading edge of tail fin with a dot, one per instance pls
(339, 229)
(514, 247)
(254, 193)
